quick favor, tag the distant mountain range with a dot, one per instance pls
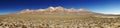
(58, 9)
(63, 11)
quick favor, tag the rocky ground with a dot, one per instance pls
(57, 21)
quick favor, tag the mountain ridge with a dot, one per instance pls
(56, 9)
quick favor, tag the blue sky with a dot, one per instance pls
(100, 6)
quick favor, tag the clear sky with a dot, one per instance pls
(101, 6)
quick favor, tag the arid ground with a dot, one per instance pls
(56, 21)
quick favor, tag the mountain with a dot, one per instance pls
(60, 10)
(72, 10)
(86, 12)
(50, 9)
(26, 11)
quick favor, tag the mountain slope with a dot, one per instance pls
(59, 10)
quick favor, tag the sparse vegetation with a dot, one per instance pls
(56, 21)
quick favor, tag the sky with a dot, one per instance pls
(100, 6)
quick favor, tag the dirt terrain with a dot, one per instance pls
(59, 17)
(56, 21)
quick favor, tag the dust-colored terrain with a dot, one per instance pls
(56, 21)
(59, 17)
